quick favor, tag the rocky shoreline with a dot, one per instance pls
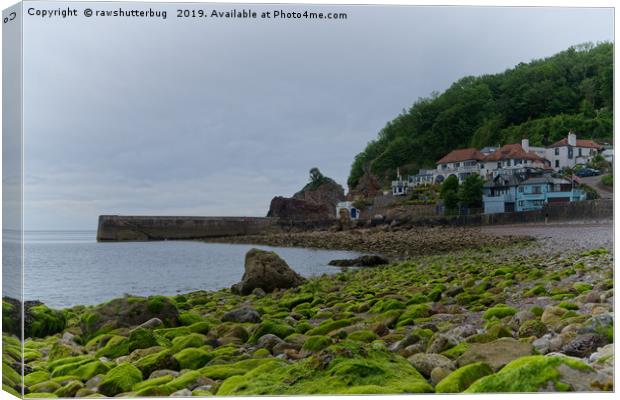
(491, 314)
(394, 242)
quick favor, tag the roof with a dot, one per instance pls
(545, 179)
(501, 181)
(580, 143)
(461, 155)
(513, 152)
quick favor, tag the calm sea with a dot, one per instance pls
(63, 269)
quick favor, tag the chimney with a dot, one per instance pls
(572, 138)
(525, 143)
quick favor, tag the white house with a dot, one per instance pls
(460, 163)
(346, 208)
(608, 155)
(571, 151)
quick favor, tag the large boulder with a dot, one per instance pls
(266, 270)
(128, 312)
(496, 354)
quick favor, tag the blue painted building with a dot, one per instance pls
(522, 191)
(534, 193)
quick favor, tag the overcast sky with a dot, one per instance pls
(208, 117)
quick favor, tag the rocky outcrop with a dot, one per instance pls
(316, 201)
(298, 210)
(368, 186)
(267, 271)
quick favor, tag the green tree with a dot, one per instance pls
(470, 192)
(449, 194)
(540, 100)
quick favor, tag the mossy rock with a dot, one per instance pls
(87, 371)
(192, 358)
(69, 367)
(10, 390)
(532, 327)
(141, 338)
(41, 396)
(200, 327)
(171, 333)
(115, 347)
(183, 381)
(289, 303)
(329, 325)
(316, 343)
(499, 311)
(189, 318)
(192, 340)
(36, 377)
(357, 371)
(156, 361)
(534, 373)
(261, 353)
(364, 335)
(279, 329)
(462, 378)
(120, 379)
(224, 371)
(129, 312)
(41, 321)
(70, 389)
(538, 290)
(45, 387)
(384, 305)
(456, 351)
(581, 287)
(152, 382)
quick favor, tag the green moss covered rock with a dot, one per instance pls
(316, 343)
(462, 378)
(160, 360)
(536, 373)
(192, 358)
(499, 311)
(120, 379)
(279, 329)
(42, 321)
(356, 371)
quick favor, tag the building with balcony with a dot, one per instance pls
(536, 192)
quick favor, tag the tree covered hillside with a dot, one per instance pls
(540, 100)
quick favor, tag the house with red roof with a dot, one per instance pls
(571, 151)
(461, 163)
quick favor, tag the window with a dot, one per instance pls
(570, 152)
(521, 202)
(520, 189)
(444, 166)
(557, 163)
(499, 164)
(580, 152)
(456, 165)
(557, 151)
(536, 190)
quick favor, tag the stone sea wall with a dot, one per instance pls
(136, 228)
